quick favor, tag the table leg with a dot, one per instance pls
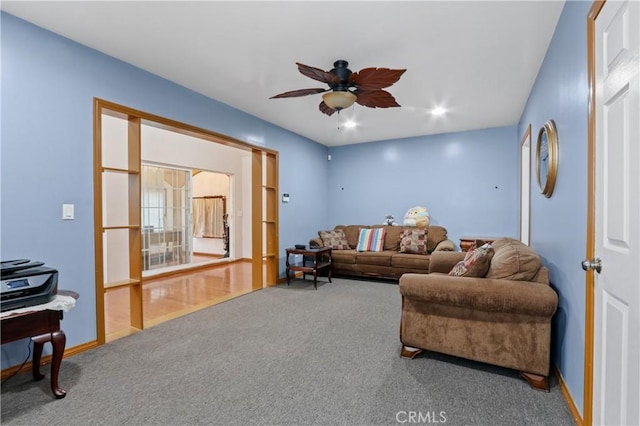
(38, 343)
(287, 269)
(304, 265)
(315, 271)
(58, 341)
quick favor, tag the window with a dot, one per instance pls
(166, 212)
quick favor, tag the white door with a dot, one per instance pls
(616, 369)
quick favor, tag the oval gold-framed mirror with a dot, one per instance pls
(547, 158)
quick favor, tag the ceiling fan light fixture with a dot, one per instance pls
(339, 99)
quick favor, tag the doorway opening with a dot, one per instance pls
(142, 229)
(185, 218)
(211, 231)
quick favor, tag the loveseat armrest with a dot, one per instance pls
(444, 261)
(315, 242)
(481, 294)
(445, 245)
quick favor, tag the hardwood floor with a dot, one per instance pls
(170, 297)
(196, 259)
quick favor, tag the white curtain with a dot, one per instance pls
(207, 217)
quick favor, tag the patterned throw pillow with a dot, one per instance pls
(414, 241)
(334, 239)
(475, 264)
(371, 239)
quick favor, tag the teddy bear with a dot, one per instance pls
(417, 216)
(389, 220)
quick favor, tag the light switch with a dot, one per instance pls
(67, 211)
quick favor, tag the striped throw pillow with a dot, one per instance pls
(371, 239)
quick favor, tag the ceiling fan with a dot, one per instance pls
(346, 87)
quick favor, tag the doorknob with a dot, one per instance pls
(595, 264)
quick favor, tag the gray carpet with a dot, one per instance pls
(281, 356)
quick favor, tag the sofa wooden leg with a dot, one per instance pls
(536, 381)
(409, 352)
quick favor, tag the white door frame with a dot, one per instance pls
(591, 400)
(525, 186)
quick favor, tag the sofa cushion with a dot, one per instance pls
(351, 232)
(344, 256)
(435, 234)
(414, 241)
(371, 239)
(475, 264)
(446, 245)
(392, 240)
(411, 261)
(380, 258)
(334, 239)
(513, 260)
(542, 276)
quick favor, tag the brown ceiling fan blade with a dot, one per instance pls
(375, 99)
(318, 74)
(324, 108)
(300, 92)
(375, 78)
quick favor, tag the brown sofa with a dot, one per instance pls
(503, 318)
(389, 263)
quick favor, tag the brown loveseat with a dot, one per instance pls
(503, 318)
(390, 262)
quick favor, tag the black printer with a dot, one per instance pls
(25, 283)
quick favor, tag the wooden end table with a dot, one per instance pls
(467, 242)
(321, 260)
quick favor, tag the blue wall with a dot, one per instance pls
(558, 224)
(48, 86)
(469, 181)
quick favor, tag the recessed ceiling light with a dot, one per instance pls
(350, 124)
(438, 111)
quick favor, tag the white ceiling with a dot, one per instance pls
(478, 59)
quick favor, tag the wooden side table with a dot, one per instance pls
(42, 326)
(321, 259)
(468, 241)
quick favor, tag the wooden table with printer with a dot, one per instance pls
(41, 326)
